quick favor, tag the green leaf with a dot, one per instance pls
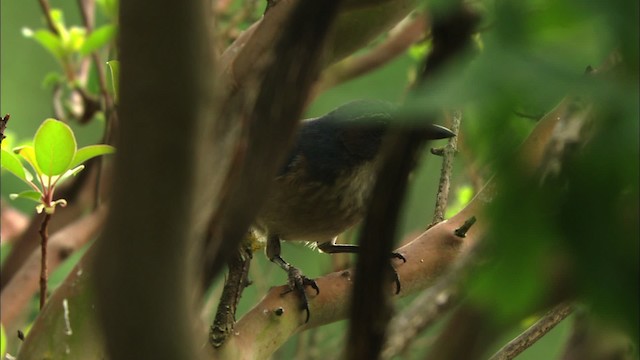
(11, 162)
(29, 195)
(28, 153)
(98, 38)
(48, 40)
(76, 40)
(114, 66)
(55, 147)
(69, 173)
(89, 152)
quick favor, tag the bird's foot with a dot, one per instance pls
(297, 284)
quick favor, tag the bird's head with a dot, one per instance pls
(348, 136)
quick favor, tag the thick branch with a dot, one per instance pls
(261, 331)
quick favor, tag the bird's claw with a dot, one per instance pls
(396, 255)
(297, 283)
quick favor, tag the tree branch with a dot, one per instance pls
(150, 248)
(428, 307)
(533, 333)
(448, 155)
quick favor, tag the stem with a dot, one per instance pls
(534, 333)
(448, 155)
(44, 235)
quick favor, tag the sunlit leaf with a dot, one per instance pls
(55, 147)
(58, 22)
(29, 195)
(91, 151)
(98, 38)
(11, 162)
(28, 153)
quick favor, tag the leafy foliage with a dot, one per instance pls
(53, 158)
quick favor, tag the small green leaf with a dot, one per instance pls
(76, 39)
(89, 152)
(28, 153)
(52, 209)
(29, 195)
(69, 173)
(58, 21)
(48, 40)
(11, 162)
(114, 66)
(98, 38)
(55, 147)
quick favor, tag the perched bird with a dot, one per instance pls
(325, 185)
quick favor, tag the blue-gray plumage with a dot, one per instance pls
(324, 187)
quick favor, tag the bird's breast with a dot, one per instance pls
(304, 210)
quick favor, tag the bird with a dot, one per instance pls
(325, 184)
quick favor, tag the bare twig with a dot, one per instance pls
(46, 9)
(3, 126)
(533, 333)
(86, 10)
(448, 155)
(44, 237)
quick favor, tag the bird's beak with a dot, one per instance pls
(435, 132)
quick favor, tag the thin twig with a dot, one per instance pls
(533, 333)
(46, 9)
(86, 7)
(448, 155)
(44, 237)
